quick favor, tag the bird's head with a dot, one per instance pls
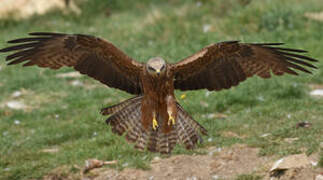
(156, 66)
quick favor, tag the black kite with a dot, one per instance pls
(153, 118)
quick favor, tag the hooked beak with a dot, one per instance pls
(157, 72)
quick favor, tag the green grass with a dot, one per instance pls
(67, 117)
(248, 177)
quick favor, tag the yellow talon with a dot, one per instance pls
(155, 123)
(171, 119)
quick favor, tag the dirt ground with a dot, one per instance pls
(227, 163)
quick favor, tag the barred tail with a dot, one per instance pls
(126, 119)
(189, 131)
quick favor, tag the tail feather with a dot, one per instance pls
(126, 119)
(188, 129)
(152, 140)
(195, 125)
(167, 142)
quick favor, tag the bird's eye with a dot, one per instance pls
(151, 69)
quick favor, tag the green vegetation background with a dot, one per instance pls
(66, 117)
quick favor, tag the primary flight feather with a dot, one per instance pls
(153, 119)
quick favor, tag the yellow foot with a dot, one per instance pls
(155, 124)
(171, 119)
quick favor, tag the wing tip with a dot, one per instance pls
(45, 34)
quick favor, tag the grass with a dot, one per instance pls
(65, 117)
(248, 177)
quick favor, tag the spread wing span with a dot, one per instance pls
(226, 64)
(89, 55)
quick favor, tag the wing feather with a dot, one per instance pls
(223, 65)
(90, 55)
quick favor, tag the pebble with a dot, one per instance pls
(317, 92)
(319, 177)
(206, 28)
(16, 94)
(16, 105)
(77, 83)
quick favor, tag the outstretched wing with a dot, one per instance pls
(89, 55)
(223, 65)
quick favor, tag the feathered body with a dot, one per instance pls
(153, 119)
(134, 117)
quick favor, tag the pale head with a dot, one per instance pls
(156, 66)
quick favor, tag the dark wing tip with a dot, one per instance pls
(29, 39)
(292, 58)
(45, 34)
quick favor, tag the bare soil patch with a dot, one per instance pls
(226, 163)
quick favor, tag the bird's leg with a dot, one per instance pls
(155, 123)
(171, 118)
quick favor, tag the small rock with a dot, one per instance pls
(125, 164)
(317, 92)
(77, 83)
(319, 177)
(17, 122)
(304, 124)
(16, 105)
(7, 169)
(73, 74)
(215, 177)
(151, 178)
(16, 94)
(156, 159)
(260, 98)
(290, 162)
(314, 163)
(206, 28)
(265, 135)
(211, 153)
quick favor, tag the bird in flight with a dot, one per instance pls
(153, 119)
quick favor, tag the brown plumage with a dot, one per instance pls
(153, 119)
